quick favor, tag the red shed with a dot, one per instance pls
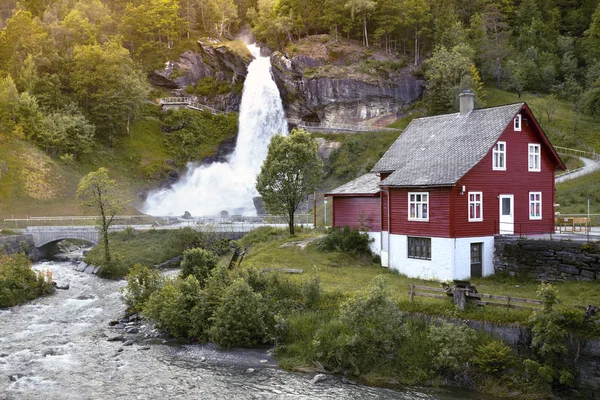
(357, 205)
(451, 182)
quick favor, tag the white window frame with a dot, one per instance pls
(421, 207)
(498, 155)
(475, 201)
(518, 123)
(534, 159)
(535, 198)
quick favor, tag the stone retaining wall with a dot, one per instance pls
(11, 244)
(548, 260)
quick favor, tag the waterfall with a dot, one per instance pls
(209, 189)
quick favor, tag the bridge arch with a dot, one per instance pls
(45, 235)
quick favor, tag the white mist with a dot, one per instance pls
(210, 189)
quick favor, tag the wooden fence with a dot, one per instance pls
(475, 298)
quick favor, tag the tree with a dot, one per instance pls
(591, 39)
(97, 192)
(108, 85)
(364, 8)
(291, 170)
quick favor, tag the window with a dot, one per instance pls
(499, 156)
(534, 157)
(535, 205)
(475, 206)
(418, 206)
(419, 248)
(518, 122)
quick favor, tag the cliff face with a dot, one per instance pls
(214, 73)
(340, 83)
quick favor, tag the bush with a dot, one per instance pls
(346, 240)
(239, 320)
(198, 262)
(494, 357)
(452, 347)
(367, 335)
(19, 283)
(141, 283)
(171, 307)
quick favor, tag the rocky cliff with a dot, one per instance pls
(336, 82)
(215, 73)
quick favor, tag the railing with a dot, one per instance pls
(225, 223)
(188, 102)
(579, 227)
(339, 128)
(578, 153)
(494, 300)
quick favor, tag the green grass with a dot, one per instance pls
(343, 275)
(565, 129)
(572, 195)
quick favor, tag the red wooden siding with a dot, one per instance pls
(439, 212)
(384, 211)
(516, 180)
(348, 211)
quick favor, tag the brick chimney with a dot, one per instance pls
(467, 102)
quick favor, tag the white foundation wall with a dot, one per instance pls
(375, 245)
(450, 258)
(462, 256)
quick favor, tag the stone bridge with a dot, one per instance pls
(43, 235)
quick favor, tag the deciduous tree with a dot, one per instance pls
(291, 170)
(98, 193)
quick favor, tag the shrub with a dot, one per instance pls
(141, 283)
(367, 335)
(170, 307)
(239, 320)
(548, 339)
(346, 240)
(494, 357)
(452, 347)
(198, 262)
(19, 283)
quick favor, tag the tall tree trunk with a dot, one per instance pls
(291, 223)
(416, 47)
(365, 30)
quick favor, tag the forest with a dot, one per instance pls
(73, 73)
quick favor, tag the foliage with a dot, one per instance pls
(198, 262)
(345, 240)
(548, 339)
(193, 136)
(19, 283)
(263, 234)
(98, 193)
(108, 86)
(239, 320)
(291, 170)
(142, 282)
(171, 306)
(452, 347)
(494, 357)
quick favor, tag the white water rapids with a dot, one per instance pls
(209, 189)
(56, 347)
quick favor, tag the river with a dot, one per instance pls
(56, 347)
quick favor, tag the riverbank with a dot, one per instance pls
(57, 347)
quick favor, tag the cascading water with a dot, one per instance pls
(209, 189)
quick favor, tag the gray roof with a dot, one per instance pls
(366, 184)
(439, 150)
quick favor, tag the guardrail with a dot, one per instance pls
(578, 153)
(339, 128)
(188, 102)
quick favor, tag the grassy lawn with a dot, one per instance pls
(343, 274)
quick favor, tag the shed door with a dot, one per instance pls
(476, 260)
(507, 219)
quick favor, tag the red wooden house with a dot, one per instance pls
(450, 183)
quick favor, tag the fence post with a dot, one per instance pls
(508, 303)
(412, 292)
